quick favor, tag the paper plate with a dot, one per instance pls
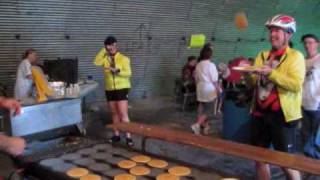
(244, 68)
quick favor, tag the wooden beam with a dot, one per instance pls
(278, 158)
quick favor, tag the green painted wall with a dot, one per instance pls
(306, 13)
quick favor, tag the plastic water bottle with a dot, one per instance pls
(77, 89)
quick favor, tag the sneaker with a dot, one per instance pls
(196, 129)
(114, 139)
(129, 142)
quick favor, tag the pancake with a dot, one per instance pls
(91, 177)
(86, 151)
(156, 171)
(139, 171)
(156, 163)
(70, 157)
(129, 154)
(84, 162)
(77, 172)
(127, 164)
(100, 167)
(141, 159)
(114, 172)
(51, 162)
(100, 156)
(124, 177)
(144, 178)
(167, 176)
(102, 147)
(114, 160)
(62, 168)
(120, 151)
(180, 171)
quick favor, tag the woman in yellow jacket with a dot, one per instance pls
(117, 72)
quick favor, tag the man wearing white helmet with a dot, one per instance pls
(278, 93)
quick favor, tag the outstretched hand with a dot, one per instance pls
(11, 104)
(14, 145)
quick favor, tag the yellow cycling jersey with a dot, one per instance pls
(114, 81)
(288, 77)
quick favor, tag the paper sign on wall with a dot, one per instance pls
(197, 41)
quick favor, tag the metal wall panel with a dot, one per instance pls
(154, 34)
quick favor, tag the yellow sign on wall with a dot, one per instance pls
(197, 41)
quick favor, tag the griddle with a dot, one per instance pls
(100, 159)
(56, 142)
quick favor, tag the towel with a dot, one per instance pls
(41, 83)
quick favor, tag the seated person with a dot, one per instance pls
(29, 74)
(43, 90)
(188, 80)
(23, 86)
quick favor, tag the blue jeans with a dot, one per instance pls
(311, 133)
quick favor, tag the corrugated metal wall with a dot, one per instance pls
(154, 34)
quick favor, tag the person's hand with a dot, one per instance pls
(15, 146)
(222, 67)
(264, 70)
(11, 104)
(244, 64)
(113, 70)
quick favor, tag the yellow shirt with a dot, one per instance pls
(288, 76)
(114, 81)
(41, 83)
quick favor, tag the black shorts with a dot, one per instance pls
(117, 95)
(271, 129)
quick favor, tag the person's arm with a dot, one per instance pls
(11, 104)
(12, 145)
(26, 70)
(125, 69)
(196, 74)
(100, 58)
(214, 78)
(224, 70)
(186, 74)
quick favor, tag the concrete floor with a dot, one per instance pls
(161, 111)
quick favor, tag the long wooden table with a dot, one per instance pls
(281, 159)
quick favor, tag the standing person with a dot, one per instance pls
(117, 72)
(206, 77)
(278, 93)
(24, 81)
(188, 75)
(311, 96)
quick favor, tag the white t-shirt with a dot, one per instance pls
(206, 75)
(311, 85)
(23, 86)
